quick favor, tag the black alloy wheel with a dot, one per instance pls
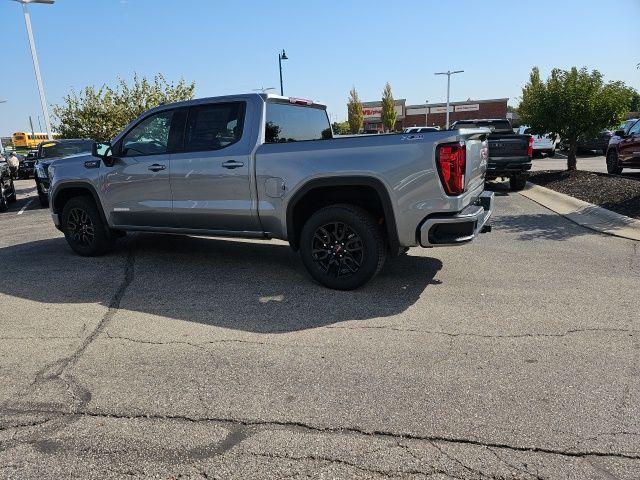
(337, 249)
(80, 227)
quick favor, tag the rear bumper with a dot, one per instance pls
(499, 166)
(447, 230)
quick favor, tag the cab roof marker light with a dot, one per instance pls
(300, 101)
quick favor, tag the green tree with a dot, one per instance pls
(354, 110)
(634, 105)
(341, 128)
(573, 104)
(101, 113)
(388, 114)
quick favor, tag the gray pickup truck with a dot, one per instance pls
(263, 166)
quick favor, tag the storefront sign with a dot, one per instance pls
(376, 112)
(470, 107)
(441, 109)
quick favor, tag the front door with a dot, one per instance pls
(137, 188)
(210, 177)
(629, 147)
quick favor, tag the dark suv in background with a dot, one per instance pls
(50, 151)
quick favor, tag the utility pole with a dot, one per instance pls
(36, 64)
(448, 73)
(426, 113)
(281, 56)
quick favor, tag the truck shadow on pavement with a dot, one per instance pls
(250, 286)
(539, 226)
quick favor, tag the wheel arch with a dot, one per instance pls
(337, 184)
(61, 195)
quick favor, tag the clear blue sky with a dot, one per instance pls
(231, 47)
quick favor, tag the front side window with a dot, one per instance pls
(635, 130)
(292, 123)
(149, 137)
(214, 126)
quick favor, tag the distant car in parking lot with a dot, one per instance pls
(25, 169)
(624, 149)
(7, 188)
(50, 151)
(541, 143)
(599, 143)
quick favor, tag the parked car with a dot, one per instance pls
(50, 151)
(598, 143)
(510, 153)
(264, 166)
(624, 149)
(7, 188)
(25, 169)
(541, 143)
(420, 129)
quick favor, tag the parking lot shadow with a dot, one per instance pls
(539, 226)
(251, 286)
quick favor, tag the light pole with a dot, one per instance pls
(426, 113)
(448, 73)
(281, 56)
(36, 65)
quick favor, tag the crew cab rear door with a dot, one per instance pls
(210, 176)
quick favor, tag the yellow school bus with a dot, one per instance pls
(23, 140)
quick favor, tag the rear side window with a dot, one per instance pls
(292, 123)
(214, 126)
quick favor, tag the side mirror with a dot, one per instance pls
(103, 151)
(620, 133)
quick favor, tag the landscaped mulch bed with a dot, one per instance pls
(621, 195)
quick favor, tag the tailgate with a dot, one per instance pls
(508, 145)
(476, 156)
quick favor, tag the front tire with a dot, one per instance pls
(613, 166)
(42, 197)
(83, 228)
(518, 182)
(342, 247)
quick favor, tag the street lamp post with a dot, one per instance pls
(36, 65)
(1, 145)
(281, 56)
(426, 113)
(448, 73)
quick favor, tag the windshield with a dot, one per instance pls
(64, 149)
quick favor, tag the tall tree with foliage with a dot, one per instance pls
(101, 113)
(354, 110)
(388, 114)
(573, 104)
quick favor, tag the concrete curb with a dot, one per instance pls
(584, 213)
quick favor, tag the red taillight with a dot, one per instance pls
(452, 163)
(530, 148)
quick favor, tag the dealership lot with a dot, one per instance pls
(517, 356)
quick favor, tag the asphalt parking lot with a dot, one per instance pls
(515, 357)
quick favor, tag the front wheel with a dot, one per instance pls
(518, 182)
(342, 247)
(83, 228)
(613, 166)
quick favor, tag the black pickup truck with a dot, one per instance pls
(509, 153)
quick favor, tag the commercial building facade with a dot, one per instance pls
(433, 114)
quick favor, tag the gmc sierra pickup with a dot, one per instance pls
(263, 166)
(510, 154)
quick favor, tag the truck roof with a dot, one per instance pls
(263, 96)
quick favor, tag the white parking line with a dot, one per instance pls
(25, 207)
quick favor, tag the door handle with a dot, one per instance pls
(232, 164)
(156, 167)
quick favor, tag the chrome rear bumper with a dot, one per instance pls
(447, 230)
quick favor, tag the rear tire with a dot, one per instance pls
(613, 165)
(83, 228)
(552, 153)
(518, 182)
(342, 247)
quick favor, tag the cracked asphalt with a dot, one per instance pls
(515, 357)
